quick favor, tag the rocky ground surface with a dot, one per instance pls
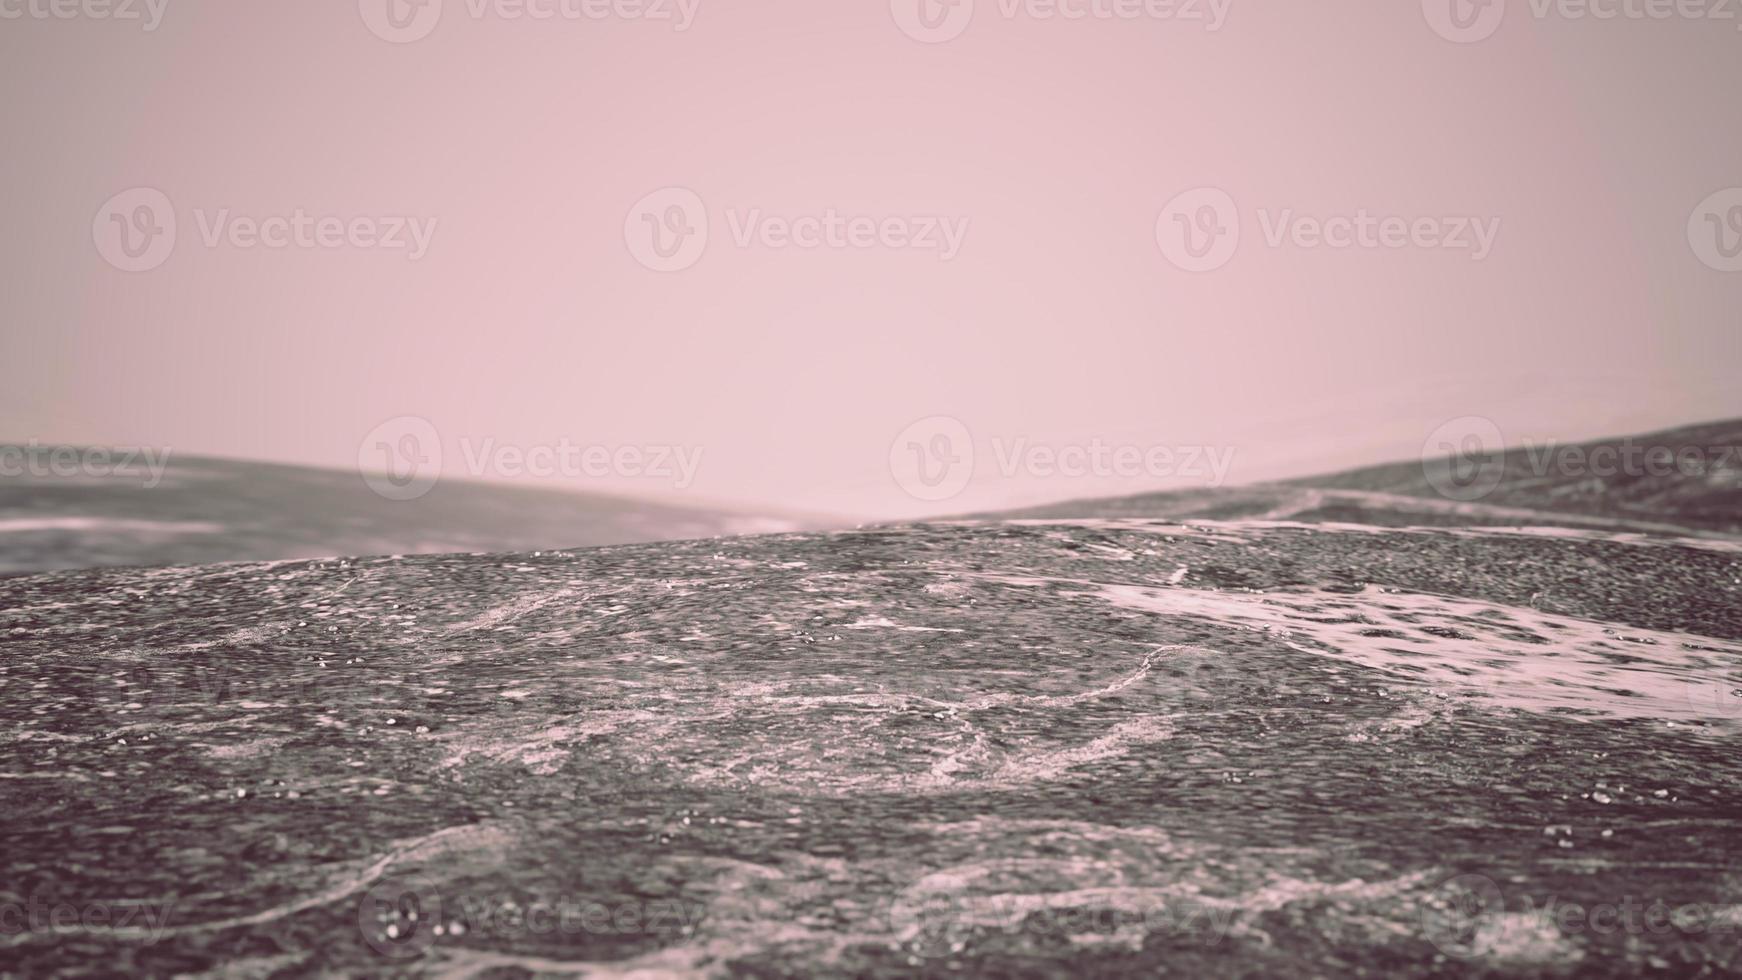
(1026, 748)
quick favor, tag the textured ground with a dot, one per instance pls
(1024, 748)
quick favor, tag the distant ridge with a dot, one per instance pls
(1572, 485)
(219, 510)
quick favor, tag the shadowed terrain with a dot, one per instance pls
(205, 510)
(1676, 481)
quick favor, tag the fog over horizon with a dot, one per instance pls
(1008, 473)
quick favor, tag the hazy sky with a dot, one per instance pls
(993, 208)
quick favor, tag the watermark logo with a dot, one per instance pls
(667, 231)
(404, 915)
(933, 459)
(1466, 917)
(1199, 230)
(148, 13)
(135, 230)
(151, 689)
(299, 229)
(831, 229)
(1717, 464)
(927, 925)
(399, 916)
(1715, 230)
(405, 21)
(401, 459)
(401, 21)
(932, 21)
(1464, 21)
(936, 21)
(931, 924)
(1470, 21)
(1371, 232)
(1464, 459)
(1455, 915)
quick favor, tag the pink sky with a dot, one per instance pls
(1052, 146)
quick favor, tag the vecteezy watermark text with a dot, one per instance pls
(937, 21)
(136, 230)
(147, 13)
(668, 230)
(129, 921)
(934, 459)
(402, 458)
(569, 459)
(1470, 21)
(71, 462)
(1465, 459)
(405, 21)
(938, 924)
(1200, 230)
(299, 229)
(1469, 916)
(403, 915)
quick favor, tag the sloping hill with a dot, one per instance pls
(1677, 481)
(217, 510)
(1690, 476)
